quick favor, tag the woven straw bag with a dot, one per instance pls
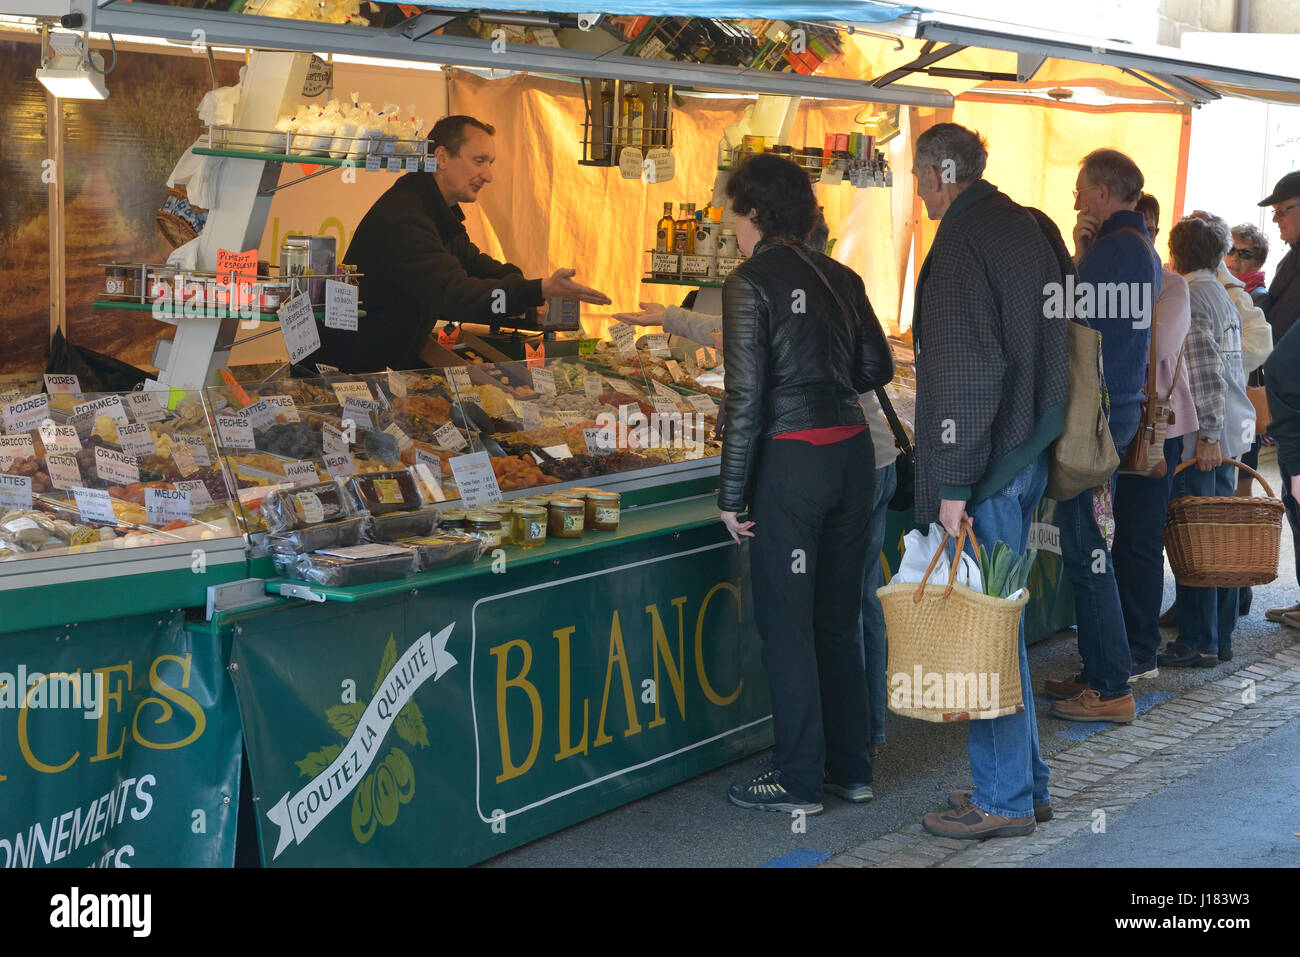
(954, 653)
(1224, 541)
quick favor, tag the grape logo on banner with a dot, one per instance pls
(339, 770)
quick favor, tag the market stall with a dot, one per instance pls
(493, 589)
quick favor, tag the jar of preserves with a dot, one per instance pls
(603, 511)
(504, 511)
(529, 526)
(119, 282)
(484, 526)
(452, 519)
(567, 518)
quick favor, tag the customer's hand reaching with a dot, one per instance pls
(951, 516)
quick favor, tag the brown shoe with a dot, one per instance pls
(1291, 618)
(970, 823)
(959, 799)
(1070, 687)
(1277, 614)
(1090, 706)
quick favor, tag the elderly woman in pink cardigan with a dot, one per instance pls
(1141, 501)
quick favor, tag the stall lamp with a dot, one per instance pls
(71, 71)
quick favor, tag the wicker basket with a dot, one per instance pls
(954, 653)
(178, 221)
(1224, 541)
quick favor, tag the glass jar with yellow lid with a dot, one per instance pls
(485, 526)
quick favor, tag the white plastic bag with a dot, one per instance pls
(217, 108)
(185, 257)
(919, 548)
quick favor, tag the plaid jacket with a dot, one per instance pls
(990, 368)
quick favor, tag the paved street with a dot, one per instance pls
(1199, 744)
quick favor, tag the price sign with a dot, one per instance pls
(28, 413)
(665, 263)
(14, 447)
(630, 162)
(145, 407)
(449, 437)
(477, 482)
(397, 384)
(619, 385)
(334, 440)
(664, 406)
(593, 385)
(832, 175)
(184, 459)
(727, 265)
(197, 447)
(428, 458)
(243, 265)
(569, 417)
(413, 164)
(657, 344)
(58, 437)
(624, 336)
(235, 432)
(460, 379)
(695, 265)
(429, 482)
(109, 405)
(61, 384)
(282, 406)
(543, 381)
(340, 464)
(116, 467)
(372, 162)
(558, 451)
(532, 416)
(403, 440)
(394, 162)
(359, 411)
(301, 473)
(15, 491)
(351, 389)
(260, 414)
(298, 324)
(165, 505)
(95, 505)
(600, 441)
(702, 403)
(662, 390)
(136, 440)
(64, 473)
(706, 358)
(340, 305)
(659, 165)
(325, 369)
(674, 370)
(198, 492)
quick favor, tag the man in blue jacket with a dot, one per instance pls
(1119, 280)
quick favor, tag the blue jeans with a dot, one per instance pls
(1010, 776)
(1140, 507)
(1206, 616)
(872, 623)
(1103, 641)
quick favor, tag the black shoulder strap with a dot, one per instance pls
(895, 426)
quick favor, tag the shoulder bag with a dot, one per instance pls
(905, 465)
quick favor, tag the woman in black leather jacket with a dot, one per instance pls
(800, 342)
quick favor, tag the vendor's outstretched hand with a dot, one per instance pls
(561, 284)
(651, 314)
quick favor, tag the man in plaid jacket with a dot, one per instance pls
(990, 384)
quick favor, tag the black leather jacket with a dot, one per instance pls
(793, 359)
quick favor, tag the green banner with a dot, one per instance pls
(450, 724)
(119, 747)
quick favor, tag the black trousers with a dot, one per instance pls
(1292, 515)
(811, 507)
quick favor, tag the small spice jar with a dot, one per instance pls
(119, 282)
(603, 511)
(452, 519)
(567, 518)
(529, 526)
(485, 526)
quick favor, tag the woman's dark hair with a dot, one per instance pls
(1195, 244)
(777, 192)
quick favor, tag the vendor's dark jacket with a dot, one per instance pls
(990, 367)
(1282, 383)
(788, 370)
(418, 266)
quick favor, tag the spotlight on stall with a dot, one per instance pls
(71, 70)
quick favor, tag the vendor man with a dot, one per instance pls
(418, 264)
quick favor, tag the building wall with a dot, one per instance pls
(1176, 17)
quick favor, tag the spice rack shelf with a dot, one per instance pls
(310, 160)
